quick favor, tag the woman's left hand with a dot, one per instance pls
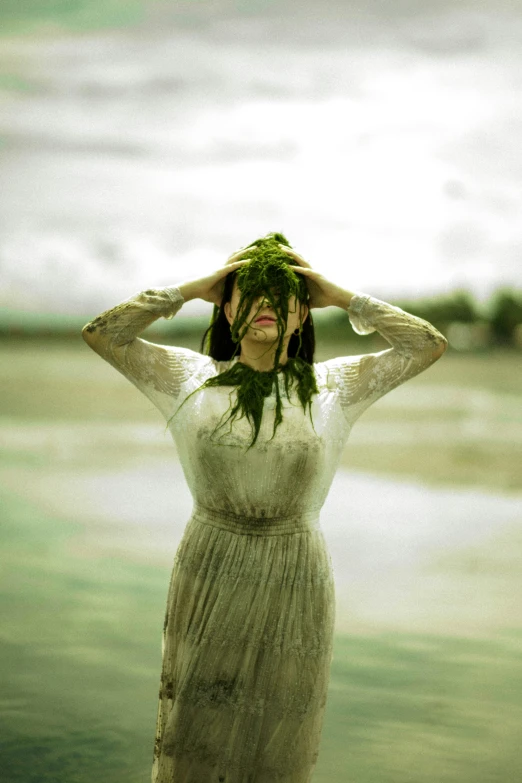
(322, 292)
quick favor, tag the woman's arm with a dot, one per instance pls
(415, 345)
(156, 370)
(361, 380)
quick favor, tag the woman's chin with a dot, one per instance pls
(266, 328)
(263, 334)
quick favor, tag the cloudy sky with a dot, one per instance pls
(383, 142)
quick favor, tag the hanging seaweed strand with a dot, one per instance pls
(267, 276)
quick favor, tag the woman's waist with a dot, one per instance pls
(257, 523)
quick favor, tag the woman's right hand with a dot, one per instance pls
(211, 288)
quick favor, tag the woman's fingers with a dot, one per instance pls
(231, 266)
(308, 271)
(240, 262)
(233, 258)
(300, 260)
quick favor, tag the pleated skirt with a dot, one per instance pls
(246, 651)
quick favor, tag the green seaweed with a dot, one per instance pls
(267, 275)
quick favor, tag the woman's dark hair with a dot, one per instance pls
(217, 340)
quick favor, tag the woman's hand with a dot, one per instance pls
(211, 288)
(322, 292)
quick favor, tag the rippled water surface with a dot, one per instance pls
(426, 680)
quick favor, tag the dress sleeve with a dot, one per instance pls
(156, 370)
(362, 380)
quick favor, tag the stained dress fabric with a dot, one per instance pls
(249, 622)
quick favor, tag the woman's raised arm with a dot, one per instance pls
(415, 345)
(156, 370)
(361, 380)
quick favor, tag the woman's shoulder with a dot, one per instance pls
(328, 370)
(191, 362)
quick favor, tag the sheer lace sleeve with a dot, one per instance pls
(362, 380)
(156, 370)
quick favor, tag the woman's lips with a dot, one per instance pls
(265, 320)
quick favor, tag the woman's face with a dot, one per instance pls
(261, 328)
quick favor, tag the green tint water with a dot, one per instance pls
(80, 655)
(40, 16)
(425, 709)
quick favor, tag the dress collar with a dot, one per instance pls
(236, 359)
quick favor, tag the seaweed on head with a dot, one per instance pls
(267, 277)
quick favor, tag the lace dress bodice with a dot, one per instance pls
(291, 473)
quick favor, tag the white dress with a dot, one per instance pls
(248, 631)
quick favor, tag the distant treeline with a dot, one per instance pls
(466, 325)
(456, 315)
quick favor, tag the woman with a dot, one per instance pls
(260, 428)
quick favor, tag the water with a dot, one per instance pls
(427, 672)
